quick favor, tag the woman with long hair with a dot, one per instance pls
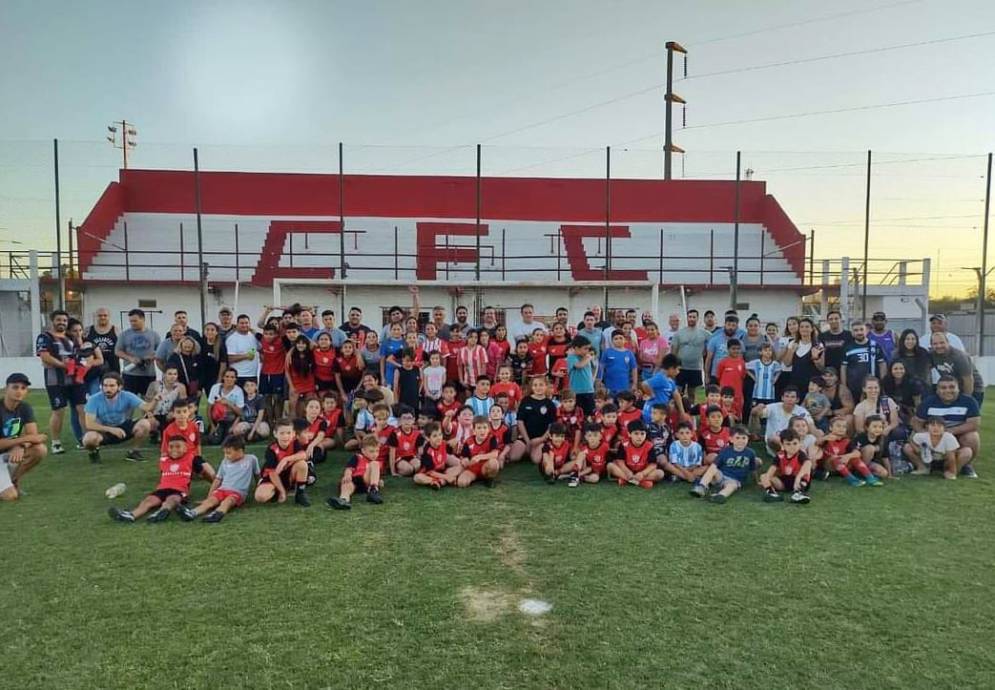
(370, 353)
(804, 354)
(915, 357)
(902, 388)
(781, 350)
(225, 401)
(874, 402)
(300, 372)
(213, 356)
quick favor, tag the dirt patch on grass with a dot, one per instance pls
(486, 606)
(511, 553)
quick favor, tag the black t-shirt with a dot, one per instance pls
(12, 422)
(536, 415)
(862, 360)
(408, 381)
(62, 349)
(106, 342)
(862, 441)
(835, 344)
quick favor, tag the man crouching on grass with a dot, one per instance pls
(175, 471)
(21, 446)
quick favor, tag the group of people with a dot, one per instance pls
(451, 403)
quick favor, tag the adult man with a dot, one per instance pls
(525, 327)
(710, 324)
(241, 346)
(136, 348)
(673, 326)
(489, 320)
(688, 345)
(618, 319)
(176, 333)
(306, 320)
(354, 327)
(580, 368)
(462, 323)
(779, 416)
(599, 322)
(861, 358)
(56, 350)
(882, 336)
(563, 316)
(835, 340)
(439, 319)
(945, 360)
(225, 325)
(103, 334)
(21, 446)
(180, 317)
(108, 418)
(938, 324)
(590, 331)
(717, 347)
(961, 416)
(337, 335)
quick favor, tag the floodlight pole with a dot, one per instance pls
(734, 276)
(983, 278)
(58, 228)
(670, 98)
(200, 240)
(867, 239)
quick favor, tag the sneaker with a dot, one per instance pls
(311, 476)
(301, 499)
(771, 496)
(622, 482)
(373, 496)
(337, 503)
(120, 515)
(646, 484)
(214, 516)
(57, 448)
(160, 515)
(718, 498)
(633, 481)
(871, 480)
(94, 456)
(186, 514)
(800, 498)
(968, 472)
(854, 480)
(822, 475)
(920, 472)
(950, 475)
(574, 481)
(698, 490)
(134, 455)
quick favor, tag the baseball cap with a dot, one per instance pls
(937, 317)
(225, 310)
(18, 377)
(878, 315)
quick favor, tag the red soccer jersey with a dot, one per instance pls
(790, 466)
(274, 454)
(597, 458)
(349, 370)
(561, 379)
(473, 448)
(731, 372)
(443, 407)
(433, 459)
(838, 448)
(714, 441)
(383, 435)
(560, 453)
(452, 361)
(332, 419)
(556, 351)
(573, 420)
(405, 443)
(501, 434)
(610, 433)
(273, 355)
(324, 365)
(358, 463)
(636, 457)
(318, 425)
(191, 433)
(511, 389)
(624, 418)
(539, 353)
(175, 473)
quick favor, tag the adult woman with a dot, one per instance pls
(225, 402)
(348, 371)
(903, 389)
(652, 348)
(874, 403)
(213, 357)
(187, 363)
(780, 349)
(914, 357)
(370, 353)
(164, 393)
(804, 354)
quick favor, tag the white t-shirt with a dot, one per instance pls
(239, 344)
(435, 379)
(778, 420)
(928, 451)
(520, 330)
(235, 396)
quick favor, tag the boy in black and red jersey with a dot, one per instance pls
(633, 463)
(479, 456)
(436, 468)
(556, 462)
(500, 431)
(570, 416)
(611, 430)
(285, 467)
(791, 471)
(404, 443)
(593, 455)
(175, 471)
(361, 475)
(627, 412)
(333, 414)
(713, 436)
(182, 425)
(658, 430)
(273, 349)
(383, 427)
(842, 455)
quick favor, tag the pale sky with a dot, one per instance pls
(411, 87)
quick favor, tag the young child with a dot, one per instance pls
(810, 446)
(627, 412)
(661, 387)
(331, 412)
(713, 398)
(873, 446)
(311, 435)
(658, 432)
(436, 469)
(617, 367)
(685, 456)
(182, 425)
(633, 462)
(361, 475)
(383, 427)
(253, 423)
(472, 361)
(230, 487)
(479, 456)
(273, 349)
(481, 401)
(500, 431)
(458, 429)
(285, 466)
(790, 471)
(732, 467)
(764, 372)
(571, 417)
(404, 443)
(556, 462)
(505, 385)
(362, 417)
(593, 455)
(728, 406)
(432, 381)
(731, 372)
(448, 405)
(611, 430)
(407, 380)
(817, 403)
(539, 352)
(840, 454)
(520, 362)
(714, 437)
(936, 447)
(175, 471)
(510, 416)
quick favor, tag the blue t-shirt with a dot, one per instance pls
(663, 388)
(736, 464)
(113, 412)
(954, 413)
(686, 456)
(390, 347)
(582, 379)
(718, 346)
(594, 335)
(615, 370)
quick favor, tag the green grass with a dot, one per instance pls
(888, 588)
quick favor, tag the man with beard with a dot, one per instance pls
(462, 324)
(710, 325)
(180, 317)
(717, 348)
(354, 327)
(21, 446)
(883, 336)
(835, 340)
(108, 418)
(103, 334)
(938, 324)
(961, 417)
(56, 350)
(688, 345)
(948, 361)
(136, 349)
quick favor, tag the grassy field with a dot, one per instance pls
(863, 588)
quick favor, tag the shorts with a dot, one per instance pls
(198, 464)
(272, 384)
(689, 378)
(285, 478)
(324, 386)
(360, 485)
(108, 439)
(319, 455)
(138, 385)
(788, 481)
(77, 393)
(60, 396)
(163, 494)
(476, 468)
(6, 474)
(722, 481)
(221, 494)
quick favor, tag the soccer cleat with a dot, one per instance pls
(214, 516)
(871, 480)
(186, 514)
(771, 496)
(160, 515)
(57, 448)
(646, 484)
(301, 499)
(698, 490)
(574, 481)
(854, 480)
(134, 455)
(94, 456)
(800, 498)
(120, 515)
(337, 503)
(822, 475)
(718, 498)
(374, 497)
(968, 472)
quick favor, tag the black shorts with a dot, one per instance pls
(689, 378)
(108, 439)
(285, 478)
(272, 384)
(59, 396)
(360, 484)
(324, 386)
(319, 455)
(198, 464)
(163, 494)
(138, 385)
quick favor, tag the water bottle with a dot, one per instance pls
(115, 490)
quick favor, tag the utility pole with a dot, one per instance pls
(668, 145)
(127, 142)
(983, 273)
(867, 239)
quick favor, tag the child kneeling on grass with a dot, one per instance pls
(175, 471)
(362, 476)
(840, 453)
(479, 456)
(285, 466)
(731, 468)
(436, 469)
(685, 457)
(556, 462)
(936, 448)
(231, 485)
(791, 471)
(633, 462)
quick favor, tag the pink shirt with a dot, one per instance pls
(651, 350)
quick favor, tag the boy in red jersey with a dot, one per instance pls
(539, 352)
(479, 456)
(175, 471)
(728, 405)
(842, 455)
(593, 454)
(556, 462)
(448, 406)
(332, 413)
(633, 462)
(436, 468)
(182, 425)
(361, 475)
(272, 379)
(791, 471)
(285, 466)
(714, 437)
(627, 412)
(500, 431)
(404, 443)
(571, 416)
(713, 398)
(731, 373)
(611, 430)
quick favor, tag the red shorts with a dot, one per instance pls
(221, 494)
(599, 469)
(476, 468)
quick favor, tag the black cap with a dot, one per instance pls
(18, 377)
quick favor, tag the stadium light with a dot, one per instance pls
(127, 142)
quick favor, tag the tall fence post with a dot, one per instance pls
(867, 238)
(58, 227)
(182, 255)
(237, 262)
(202, 267)
(608, 216)
(72, 249)
(734, 278)
(811, 257)
(127, 254)
(476, 272)
(982, 289)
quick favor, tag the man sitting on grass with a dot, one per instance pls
(175, 471)
(108, 418)
(962, 417)
(21, 446)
